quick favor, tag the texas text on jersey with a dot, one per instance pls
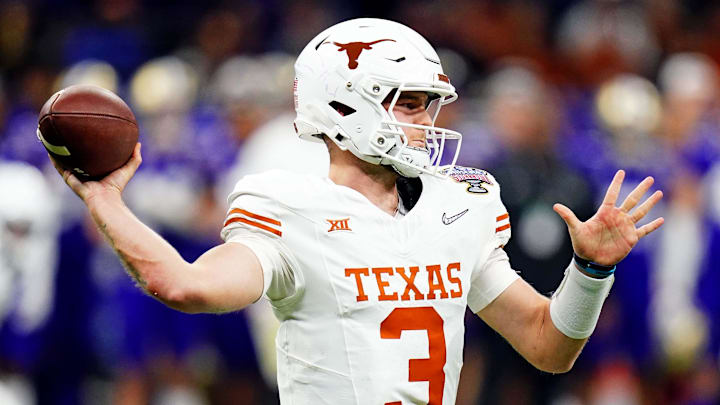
(373, 306)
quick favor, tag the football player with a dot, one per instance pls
(370, 269)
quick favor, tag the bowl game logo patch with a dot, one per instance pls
(475, 178)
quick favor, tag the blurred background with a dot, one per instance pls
(554, 97)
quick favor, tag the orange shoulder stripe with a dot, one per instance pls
(503, 216)
(254, 216)
(502, 228)
(253, 223)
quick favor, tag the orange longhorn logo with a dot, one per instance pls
(354, 49)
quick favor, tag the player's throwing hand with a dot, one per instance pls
(114, 182)
(611, 233)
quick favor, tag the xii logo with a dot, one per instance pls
(339, 224)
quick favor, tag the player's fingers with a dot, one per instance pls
(75, 184)
(136, 158)
(648, 228)
(67, 176)
(137, 151)
(131, 166)
(119, 178)
(72, 181)
(634, 197)
(567, 215)
(646, 206)
(613, 190)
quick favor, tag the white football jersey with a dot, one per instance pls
(372, 306)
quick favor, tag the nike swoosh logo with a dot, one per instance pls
(449, 220)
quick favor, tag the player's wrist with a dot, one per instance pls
(575, 306)
(102, 197)
(592, 269)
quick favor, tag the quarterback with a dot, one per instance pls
(370, 269)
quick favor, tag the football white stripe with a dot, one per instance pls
(58, 150)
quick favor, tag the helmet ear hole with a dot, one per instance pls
(342, 109)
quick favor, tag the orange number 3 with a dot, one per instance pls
(430, 369)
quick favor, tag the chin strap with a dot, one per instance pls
(409, 159)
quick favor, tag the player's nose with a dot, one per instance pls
(423, 118)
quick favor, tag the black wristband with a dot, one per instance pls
(594, 268)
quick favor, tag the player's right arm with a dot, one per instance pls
(227, 277)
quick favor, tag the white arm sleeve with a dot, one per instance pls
(575, 306)
(488, 282)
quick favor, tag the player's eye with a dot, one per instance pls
(409, 104)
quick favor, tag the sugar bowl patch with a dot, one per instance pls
(475, 178)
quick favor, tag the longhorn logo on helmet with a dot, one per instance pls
(354, 49)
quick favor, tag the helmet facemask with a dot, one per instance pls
(411, 161)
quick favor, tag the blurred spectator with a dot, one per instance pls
(626, 114)
(689, 82)
(186, 146)
(34, 88)
(257, 95)
(253, 90)
(28, 260)
(601, 38)
(28, 211)
(91, 72)
(523, 116)
(689, 86)
(690, 130)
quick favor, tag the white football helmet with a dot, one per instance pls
(352, 67)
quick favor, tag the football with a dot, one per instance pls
(88, 130)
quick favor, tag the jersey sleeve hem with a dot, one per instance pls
(503, 275)
(261, 253)
(283, 282)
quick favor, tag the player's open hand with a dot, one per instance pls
(611, 233)
(114, 182)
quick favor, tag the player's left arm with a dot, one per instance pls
(550, 333)
(522, 316)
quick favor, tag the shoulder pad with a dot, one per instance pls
(286, 188)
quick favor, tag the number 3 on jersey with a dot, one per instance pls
(430, 369)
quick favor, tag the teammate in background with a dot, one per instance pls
(371, 268)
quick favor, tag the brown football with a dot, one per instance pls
(88, 130)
